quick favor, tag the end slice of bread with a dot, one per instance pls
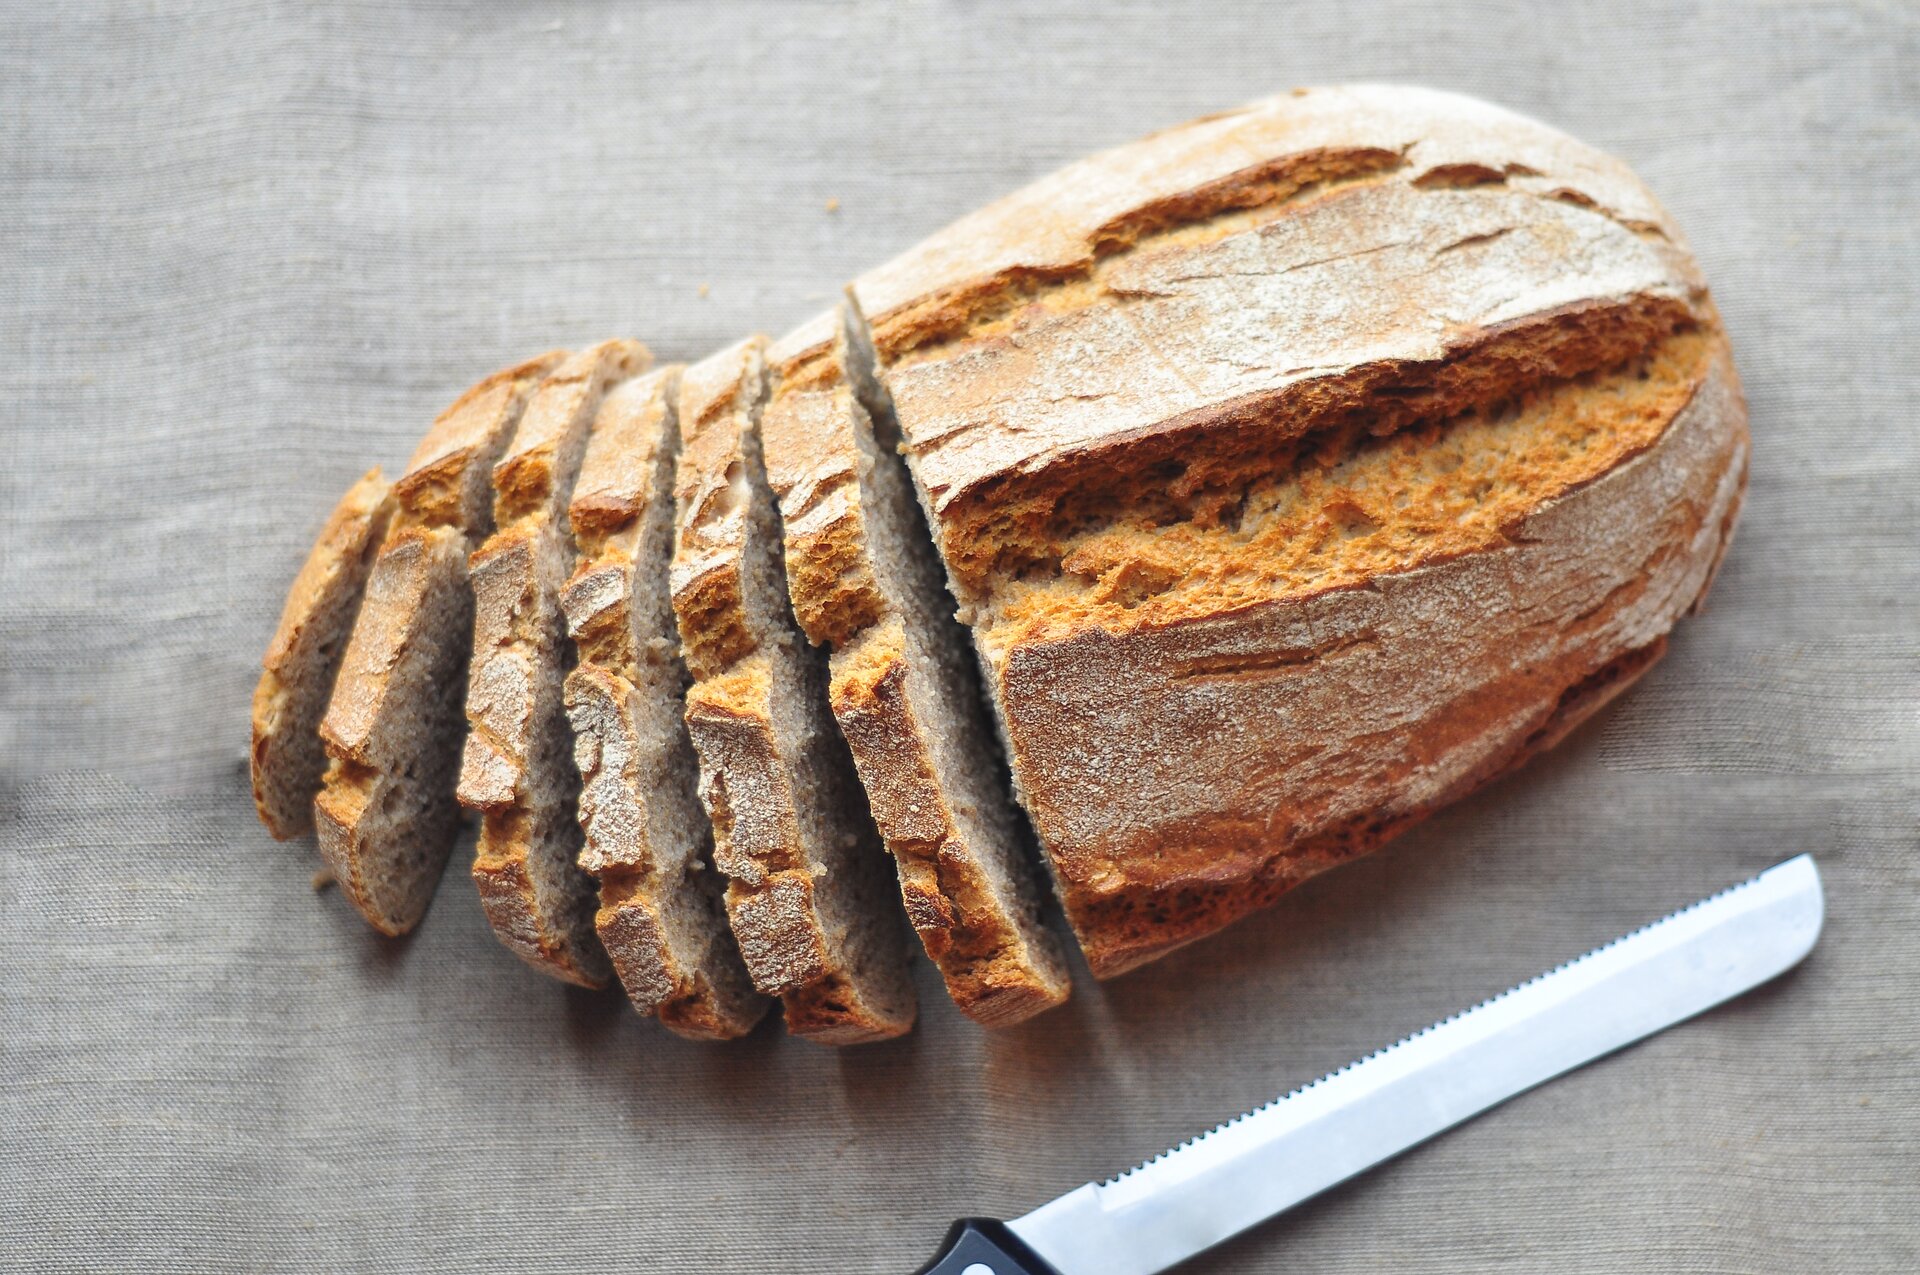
(867, 585)
(517, 768)
(661, 917)
(386, 817)
(287, 759)
(809, 897)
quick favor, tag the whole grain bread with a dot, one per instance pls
(1298, 469)
(661, 915)
(808, 894)
(386, 818)
(866, 585)
(287, 760)
(517, 767)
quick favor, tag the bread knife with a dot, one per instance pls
(1203, 1191)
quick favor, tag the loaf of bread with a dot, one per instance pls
(1172, 530)
(1299, 469)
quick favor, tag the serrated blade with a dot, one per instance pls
(1219, 1184)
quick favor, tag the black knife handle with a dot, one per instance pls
(982, 1246)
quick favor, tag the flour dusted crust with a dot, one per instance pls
(1186, 775)
(1297, 470)
(286, 760)
(517, 765)
(806, 891)
(1101, 379)
(930, 776)
(660, 917)
(385, 817)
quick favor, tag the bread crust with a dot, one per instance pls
(660, 918)
(286, 760)
(1185, 775)
(774, 797)
(977, 922)
(516, 768)
(408, 655)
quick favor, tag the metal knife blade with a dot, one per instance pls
(1164, 1211)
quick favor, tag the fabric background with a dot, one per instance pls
(248, 250)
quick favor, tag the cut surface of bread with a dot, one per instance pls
(1272, 460)
(661, 915)
(809, 896)
(287, 760)
(517, 767)
(386, 817)
(865, 584)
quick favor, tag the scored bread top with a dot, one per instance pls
(1184, 774)
(1367, 230)
(1257, 154)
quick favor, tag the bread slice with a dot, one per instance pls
(661, 915)
(517, 768)
(297, 675)
(386, 817)
(808, 896)
(904, 688)
(1299, 469)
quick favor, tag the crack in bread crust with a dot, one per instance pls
(1172, 805)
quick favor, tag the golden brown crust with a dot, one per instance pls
(660, 917)
(1133, 927)
(813, 466)
(515, 769)
(1184, 774)
(446, 483)
(786, 831)
(977, 923)
(286, 760)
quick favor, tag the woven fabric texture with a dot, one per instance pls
(248, 250)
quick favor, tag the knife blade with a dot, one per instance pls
(1161, 1213)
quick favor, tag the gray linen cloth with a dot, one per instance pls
(248, 250)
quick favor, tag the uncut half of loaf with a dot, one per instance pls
(1280, 478)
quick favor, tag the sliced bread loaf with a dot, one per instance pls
(386, 816)
(287, 759)
(808, 896)
(517, 769)
(1299, 469)
(865, 584)
(648, 840)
